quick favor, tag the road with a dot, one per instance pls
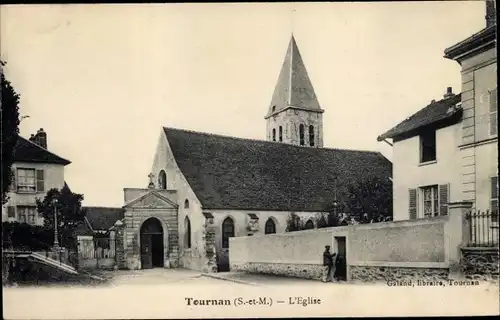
(164, 293)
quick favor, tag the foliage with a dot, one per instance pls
(294, 223)
(10, 130)
(68, 206)
(331, 219)
(370, 199)
(21, 236)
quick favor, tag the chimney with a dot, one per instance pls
(491, 15)
(449, 93)
(40, 138)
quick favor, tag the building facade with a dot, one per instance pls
(35, 171)
(447, 152)
(206, 188)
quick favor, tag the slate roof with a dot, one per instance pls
(103, 218)
(294, 88)
(485, 36)
(27, 151)
(433, 113)
(234, 173)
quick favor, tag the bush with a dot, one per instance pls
(23, 236)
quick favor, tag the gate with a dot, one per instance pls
(97, 253)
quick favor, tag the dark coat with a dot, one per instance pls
(327, 259)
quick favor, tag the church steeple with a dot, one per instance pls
(294, 115)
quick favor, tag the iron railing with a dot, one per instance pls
(483, 228)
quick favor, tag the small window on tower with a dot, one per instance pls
(311, 136)
(274, 108)
(274, 134)
(301, 134)
(281, 133)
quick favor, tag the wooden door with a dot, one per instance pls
(146, 252)
(342, 255)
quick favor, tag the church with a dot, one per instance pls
(206, 188)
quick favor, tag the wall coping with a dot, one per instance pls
(481, 249)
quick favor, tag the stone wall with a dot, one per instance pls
(480, 263)
(304, 271)
(374, 274)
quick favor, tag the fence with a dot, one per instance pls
(484, 229)
(96, 253)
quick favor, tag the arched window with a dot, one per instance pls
(311, 136)
(309, 225)
(187, 233)
(301, 134)
(162, 180)
(274, 134)
(186, 204)
(281, 133)
(227, 231)
(270, 226)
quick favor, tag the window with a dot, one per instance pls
(162, 180)
(309, 225)
(270, 227)
(186, 204)
(26, 214)
(274, 108)
(494, 199)
(26, 181)
(227, 231)
(311, 136)
(274, 134)
(281, 133)
(301, 134)
(428, 146)
(187, 233)
(11, 212)
(430, 203)
(493, 113)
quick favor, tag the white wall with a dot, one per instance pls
(53, 178)
(164, 160)
(409, 173)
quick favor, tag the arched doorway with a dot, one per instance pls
(227, 232)
(151, 244)
(270, 226)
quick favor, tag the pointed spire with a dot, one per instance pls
(294, 88)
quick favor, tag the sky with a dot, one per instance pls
(102, 80)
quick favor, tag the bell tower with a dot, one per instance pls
(294, 115)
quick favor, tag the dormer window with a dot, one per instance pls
(428, 146)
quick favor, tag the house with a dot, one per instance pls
(36, 170)
(242, 186)
(425, 153)
(447, 151)
(478, 144)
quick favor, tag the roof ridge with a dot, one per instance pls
(44, 149)
(103, 207)
(265, 141)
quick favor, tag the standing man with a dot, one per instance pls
(328, 267)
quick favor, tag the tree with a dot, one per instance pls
(371, 197)
(9, 102)
(70, 214)
(294, 223)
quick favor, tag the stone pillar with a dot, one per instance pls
(457, 230)
(120, 245)
(173, 257)
(210, 262)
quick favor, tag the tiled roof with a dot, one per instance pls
(294, 88)
(434, 112)
(487, 35)
(103, 218)
(27, 151)
(233, 173)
